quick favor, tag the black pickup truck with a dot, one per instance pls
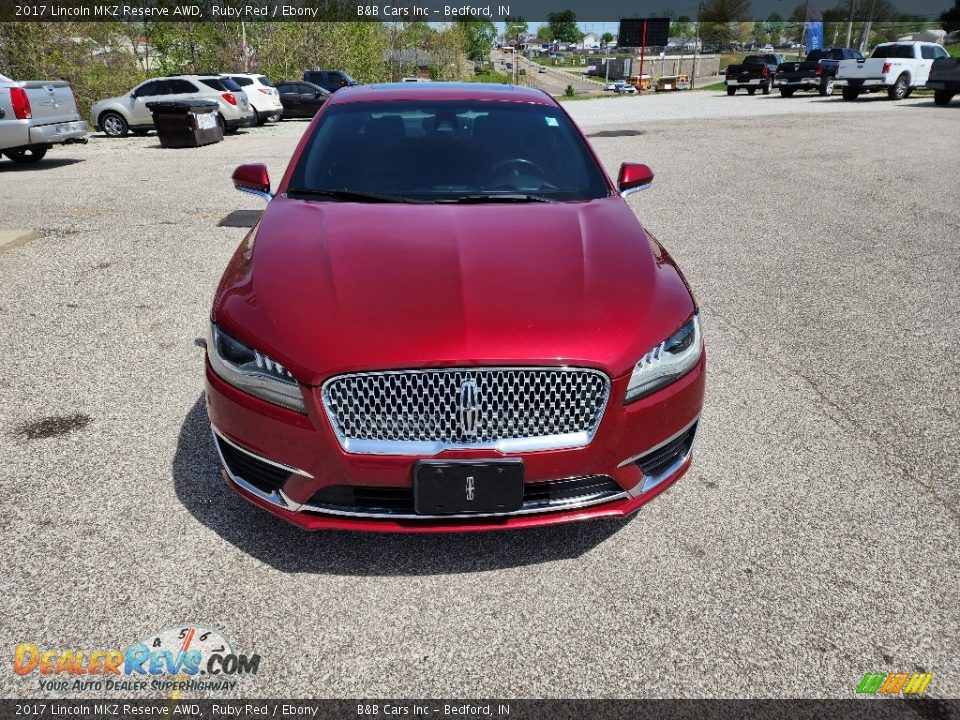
(756, 71)
(944, 79)
(817, 72)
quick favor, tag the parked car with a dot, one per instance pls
(415, 79)
(944, 79)
(301, 99)
(817, 72)
(118, 115)
(541, 69)
(436, 380)
(263, 96)
(755, 72)
(896, 68)
(35, 116)
(626, 89)
(612, 86)
(329, 80)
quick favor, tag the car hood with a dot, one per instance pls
(331, 287)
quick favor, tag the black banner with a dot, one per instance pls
(451, 10)
(872, 709)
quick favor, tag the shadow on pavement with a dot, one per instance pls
(45, 164)
(202, 491)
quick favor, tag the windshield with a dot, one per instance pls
(436, 151)
(893, 51)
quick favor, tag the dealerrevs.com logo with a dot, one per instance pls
(185, 657)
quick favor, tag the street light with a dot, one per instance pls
(696, 47)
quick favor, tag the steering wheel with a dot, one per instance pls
(522, 162)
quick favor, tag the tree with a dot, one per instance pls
(479, 36)
(681, 27)
(760, 32)
(515, 26)
(951, 18)
(775, 28)
(563, 26)
(720, 18)
(607, 38)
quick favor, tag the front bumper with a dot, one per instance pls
(293, 466)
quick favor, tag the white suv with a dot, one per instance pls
(116, 116)
(263, 96)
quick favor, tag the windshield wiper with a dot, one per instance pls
(503, 197)
(351, 195)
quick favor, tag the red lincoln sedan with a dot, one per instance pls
(449, 319)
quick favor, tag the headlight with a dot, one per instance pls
(252, 371)
(669, 360)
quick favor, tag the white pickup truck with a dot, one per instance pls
(896, 67)
(36, 115)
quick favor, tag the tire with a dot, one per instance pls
(731, 91)
(751, 91)
(942, 97)
(908, 93)
(275, 117)
(826, 87)
(768, 87)
(787, 92)
(28, 155)
(113, 124)
(898, 91)
(850, 93)
(258, 119)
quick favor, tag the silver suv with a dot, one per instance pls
(116, 116)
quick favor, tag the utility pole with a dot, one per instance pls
(243, 45)
(850, 23)
(696, 49)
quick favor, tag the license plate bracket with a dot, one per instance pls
(467, 487)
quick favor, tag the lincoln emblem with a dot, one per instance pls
(470, 488)
(469, 408)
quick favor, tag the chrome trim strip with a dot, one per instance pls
(631, 191)
(634, 458)
(268, 196)
(573, 504)
(428, 448)
(261, 458)
(651, 481)
(273, 498)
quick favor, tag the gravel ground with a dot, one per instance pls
(814, 539)
(711, 105)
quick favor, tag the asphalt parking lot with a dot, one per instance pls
(814, 539)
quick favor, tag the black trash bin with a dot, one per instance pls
(186, 123)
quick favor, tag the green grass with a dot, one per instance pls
(491, 76)
(716, 87)
(953, 49)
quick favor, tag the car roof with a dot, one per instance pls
(440, 91)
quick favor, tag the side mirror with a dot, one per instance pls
(633, 178)
(133, 94)
(253, 179)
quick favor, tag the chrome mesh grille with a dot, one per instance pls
(426, 411)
